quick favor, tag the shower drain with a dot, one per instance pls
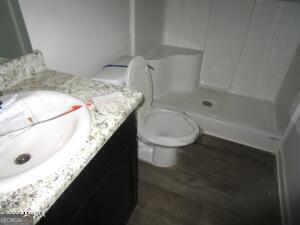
(23, 158)
(207, 103)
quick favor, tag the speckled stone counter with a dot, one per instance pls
(30, 73)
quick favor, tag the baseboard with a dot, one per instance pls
(283, 191)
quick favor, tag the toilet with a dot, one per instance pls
(160, 131)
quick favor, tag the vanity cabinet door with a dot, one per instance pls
(85, 215)
(114, 198)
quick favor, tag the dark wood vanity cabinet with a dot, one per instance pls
(105, 192)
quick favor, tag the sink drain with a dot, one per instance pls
(207, 103)
(23, 158)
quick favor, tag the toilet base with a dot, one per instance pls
(157, 155)
(165, 157)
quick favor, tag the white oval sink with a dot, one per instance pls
(46, 146)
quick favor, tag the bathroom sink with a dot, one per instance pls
(31, 153)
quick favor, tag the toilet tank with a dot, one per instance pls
(114, 73)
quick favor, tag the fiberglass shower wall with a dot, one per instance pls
(148, 25)
(248, 45)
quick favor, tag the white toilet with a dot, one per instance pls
(160, 131)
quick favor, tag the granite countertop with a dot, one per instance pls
(30, 73)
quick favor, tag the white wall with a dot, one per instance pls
(290, 170)
(286, 101)
(78, 36)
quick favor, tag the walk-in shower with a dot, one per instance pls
(230, 66)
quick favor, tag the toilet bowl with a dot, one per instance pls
(160, 131)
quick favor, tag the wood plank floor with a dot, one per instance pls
(215, 182)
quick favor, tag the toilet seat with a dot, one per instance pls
(167, 128)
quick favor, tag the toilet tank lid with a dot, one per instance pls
(116, 76)
(123, 60)
(115, 72)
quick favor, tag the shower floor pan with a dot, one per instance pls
(237, 118)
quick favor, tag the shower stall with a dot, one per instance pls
(233, 65)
